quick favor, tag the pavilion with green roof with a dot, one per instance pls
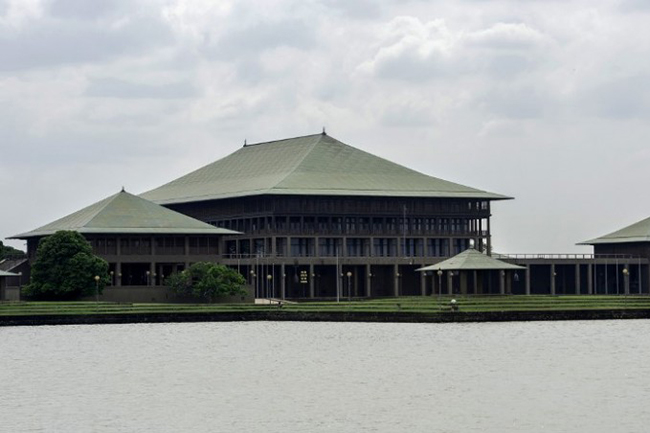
(474, 268)
(142, 241)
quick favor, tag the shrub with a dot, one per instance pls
(65, 268)
(207, 281)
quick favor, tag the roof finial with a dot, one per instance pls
(123, 189)
(244, 142)
(324, 133)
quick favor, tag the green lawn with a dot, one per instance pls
(404, 304)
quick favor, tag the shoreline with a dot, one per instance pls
(333, 316)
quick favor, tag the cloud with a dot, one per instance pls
(116, 88)
(409, 114)
(51, 42)
(83, 9)
(412, 50)
(506, 36)
(621, 98)
(514, 102)
(633, 6)
(262, 37)
(358, 9)
(15, 14)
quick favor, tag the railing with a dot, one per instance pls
(564, 256)
(323, 232)
(341, 255)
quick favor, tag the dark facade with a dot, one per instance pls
(321, 219)
(292, 246)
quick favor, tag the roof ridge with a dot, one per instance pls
(299, 163)
(107, 201)
(281, 139)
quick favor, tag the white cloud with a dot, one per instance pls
(507, 36)
(412, 50)
(17, 14)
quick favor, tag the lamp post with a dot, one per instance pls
(252, 278)
(148, 273)
(269, 277)
(339, 279)
(439, 282)
(399, 284)
(349, 275)
(626, 285)
(97, 288)
(283, 287)
(450, 289)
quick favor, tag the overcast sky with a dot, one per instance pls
(545, 101)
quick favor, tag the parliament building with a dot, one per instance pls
(314, 218)
(319, 217)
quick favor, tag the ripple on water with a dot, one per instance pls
(327, 377)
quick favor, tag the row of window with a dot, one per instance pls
(170, 245)
(353, 247)
(352, 225)
(324, 205)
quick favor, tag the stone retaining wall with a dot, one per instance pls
(275, 314)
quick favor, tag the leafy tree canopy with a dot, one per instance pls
(208, 281)
(7, 251)
(65, 268)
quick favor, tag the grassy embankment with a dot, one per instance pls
(404, 305)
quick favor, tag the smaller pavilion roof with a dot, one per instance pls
(7, 274)
(126, 213)
(637, 232)
(471, 260)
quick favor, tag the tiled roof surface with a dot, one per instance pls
(126, 213)
(310, 165)
(471, 260)
(637, 232)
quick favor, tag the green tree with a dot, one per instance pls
(65, 268)
(208, 281)
(7, 251)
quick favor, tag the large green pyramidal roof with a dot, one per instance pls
(310, 165)
(126, 213)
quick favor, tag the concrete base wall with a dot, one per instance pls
(9, 293)
(277, 314)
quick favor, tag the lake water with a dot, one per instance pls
(327, 377)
